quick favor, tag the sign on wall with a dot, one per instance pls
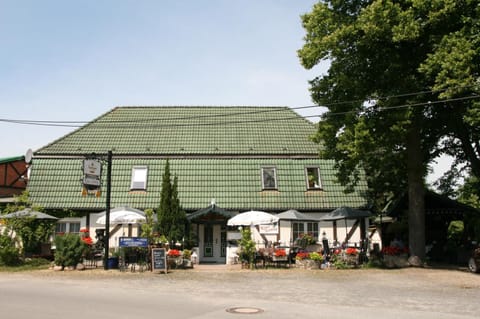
(268, 229)
(132, 242)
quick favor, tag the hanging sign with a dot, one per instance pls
(92, 170)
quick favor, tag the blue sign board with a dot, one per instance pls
(133, 242)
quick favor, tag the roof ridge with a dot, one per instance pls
(202, 106)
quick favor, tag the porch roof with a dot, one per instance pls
(212, 210)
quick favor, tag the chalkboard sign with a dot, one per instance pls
(159, 259)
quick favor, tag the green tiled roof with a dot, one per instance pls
(235, 184)
(191, 130)
(216, 152)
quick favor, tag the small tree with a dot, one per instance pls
(247, 246)
(171, 217)
(149, 226)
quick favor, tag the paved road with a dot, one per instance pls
(209, 292)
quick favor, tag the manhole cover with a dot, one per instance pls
(244, 310)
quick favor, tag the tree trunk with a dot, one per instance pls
(416, 194)
(472, 156)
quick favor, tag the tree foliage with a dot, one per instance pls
(171, 216)
(149, 226)
(402, 88)
(28, 231)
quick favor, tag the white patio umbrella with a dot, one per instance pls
(252, 217)
(123, 215)
(28, 212)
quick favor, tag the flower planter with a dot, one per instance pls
(174, 262)
(396, 261)
(351, 260)
(279, 258)
(307, 264)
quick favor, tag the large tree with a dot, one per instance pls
(386, 78)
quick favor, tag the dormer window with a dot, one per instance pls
(312, 175)
(269, 178)
(139, 178)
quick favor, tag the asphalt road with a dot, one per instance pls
(208, 293)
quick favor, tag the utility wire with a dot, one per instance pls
(77, 124)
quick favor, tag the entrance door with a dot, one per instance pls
(214, 243)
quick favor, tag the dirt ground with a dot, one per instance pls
(425, 290)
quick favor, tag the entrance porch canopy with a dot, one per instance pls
(210, 213)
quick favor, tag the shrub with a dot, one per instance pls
(316, 256)
(69, 250)
(187, 253)
(9, 254)
(247, 247)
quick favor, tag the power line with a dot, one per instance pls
(77, 124)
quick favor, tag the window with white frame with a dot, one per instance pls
(299, 228)
(67, 227)
(312, 230)
(312, 175)
(60, 228)
(269, 178)
(139, 178)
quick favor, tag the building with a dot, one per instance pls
(13, 178)
(242, 158)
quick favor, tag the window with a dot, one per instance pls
(299, 230)
(312, 229)
(139, 178)
(313, 178)
(61, 228)
(74, 228)
(67, 227)
(269, 178)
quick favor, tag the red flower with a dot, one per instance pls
(302, 255)
(84, 230)
(87, 240)
(280, 253)
(394, 250)
(351, 251)
(173, 253)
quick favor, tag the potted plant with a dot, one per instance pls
(316, 258)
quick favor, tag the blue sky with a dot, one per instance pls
(75, 60)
